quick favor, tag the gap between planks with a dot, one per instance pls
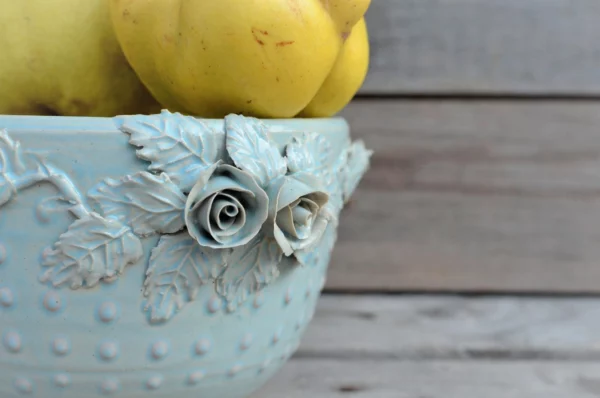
(446, 347)
(454, 327)
(433, 379)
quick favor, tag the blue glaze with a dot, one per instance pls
(103, 325)
(159, 350)
(3, 253)
(23, 386)
(61, 346)
(52, 302)
(12, 341)
(108, 351)
(107, 312)
(7, 298)
(202, 347)
(62, 380)
(196, 377)
(246, 342)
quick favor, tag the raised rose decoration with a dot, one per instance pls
(226, 208)
(297, 212)
(227, 204)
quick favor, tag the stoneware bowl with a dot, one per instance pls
(163, 255)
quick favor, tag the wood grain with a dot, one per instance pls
(415, 327)
(438, 379)
(542, 47)
(446, 347)
(474, 196)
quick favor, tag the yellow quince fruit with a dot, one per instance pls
(265, 58)
(62, 57)
(346, 77)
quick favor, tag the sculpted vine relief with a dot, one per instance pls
(225, 217)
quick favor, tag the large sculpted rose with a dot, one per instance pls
(226, 207)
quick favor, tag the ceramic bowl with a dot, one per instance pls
(163, 255)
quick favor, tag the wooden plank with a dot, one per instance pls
(436, 379)
(446, 347)
(470, 196)
(484, 47)
(453, 328)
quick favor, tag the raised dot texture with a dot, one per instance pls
(110, 386)
(62, 380)
(237, 368)
(107, 312)
(214, 304)
(61, 346)
(258, 301)
(322, 282)
(286, 352)
(276, 337)
(288, 296)
(160, 349)
(52, 301)
(154, 382)
(23, 385)
(299, 322)
(311, 313)
(246, 342)
(202, 346)
(42, 214)
(12, 341)
(264, 365)
(108, 350)
(6, 297)
(308, 291)
(196, 377)
(3, 253)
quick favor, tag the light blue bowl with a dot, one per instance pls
(161, 255)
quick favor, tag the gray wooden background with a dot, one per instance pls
(489, 47)
(482, 205)
(486, 130)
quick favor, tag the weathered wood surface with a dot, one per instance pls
(484, 47)
(474, 195)
(443, 327)
(446, 347)
(435, 379)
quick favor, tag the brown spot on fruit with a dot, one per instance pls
(284, 43)
(255, 33)
(126, 13)
(295, 8)
(249, 101)
(345, 35)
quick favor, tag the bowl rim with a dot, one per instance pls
(70, 124)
